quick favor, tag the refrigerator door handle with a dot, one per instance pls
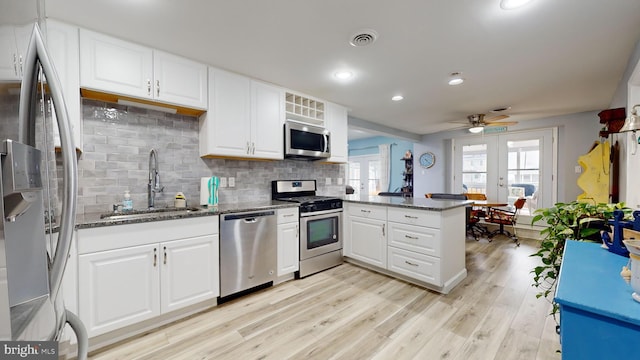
(38, 51)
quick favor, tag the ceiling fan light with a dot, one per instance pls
(476, 129)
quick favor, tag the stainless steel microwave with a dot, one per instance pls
(303, 141)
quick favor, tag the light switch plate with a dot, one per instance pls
(327, 181)
(578, 169)
(339, 181)
(232, 181)
(223, 182)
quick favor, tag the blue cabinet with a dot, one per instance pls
(598, 317)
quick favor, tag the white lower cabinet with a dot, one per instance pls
(118, 288)
(288, 241)
(365, 234)
(424, 245)
(187, 273)
(418, 266)
(130, 273)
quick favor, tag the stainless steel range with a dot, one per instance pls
(320, 224)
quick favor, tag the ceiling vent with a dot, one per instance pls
(363, 38)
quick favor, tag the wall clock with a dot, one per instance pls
(427, 160)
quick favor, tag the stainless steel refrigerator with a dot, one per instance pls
(32, 261)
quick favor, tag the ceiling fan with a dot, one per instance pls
(477, 122)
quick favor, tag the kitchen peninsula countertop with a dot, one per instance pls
(91, 220)
(413, 203)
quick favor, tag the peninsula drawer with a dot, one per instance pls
(367, 211)
(415, 217)
(417, 266)
(420, 239)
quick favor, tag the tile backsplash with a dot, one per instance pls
(116, 144)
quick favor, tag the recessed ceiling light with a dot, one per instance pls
(513, 4)
(455, 79)
(343, 75)
(397, 98)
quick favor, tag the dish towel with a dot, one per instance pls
(213, 184)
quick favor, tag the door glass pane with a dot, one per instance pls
(374, 177)
(354, 177)
(523, 173)
(474, 168)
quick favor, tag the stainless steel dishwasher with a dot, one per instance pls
(248, 251)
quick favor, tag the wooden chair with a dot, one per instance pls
(474, 215)
(504, 217)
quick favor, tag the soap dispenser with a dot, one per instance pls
(127, 203)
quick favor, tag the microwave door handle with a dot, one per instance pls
(38, 51)
(326, 142)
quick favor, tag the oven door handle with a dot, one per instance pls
(322, 212)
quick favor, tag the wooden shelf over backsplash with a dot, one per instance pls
(97, 95)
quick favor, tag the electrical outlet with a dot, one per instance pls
(232, 181)
(223, 182)
(339, 181)
(578, 169)
(327, 181)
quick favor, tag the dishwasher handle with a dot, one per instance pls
(249, 216)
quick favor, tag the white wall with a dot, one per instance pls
(576, 134)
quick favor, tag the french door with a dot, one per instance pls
(364, 174)
(508, 166)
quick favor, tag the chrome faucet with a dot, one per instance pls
(154, 178)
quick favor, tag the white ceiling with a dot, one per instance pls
(548, 58)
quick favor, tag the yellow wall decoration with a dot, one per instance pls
(594, 180)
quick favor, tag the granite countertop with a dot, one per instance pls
(84, 221)
(414, 203)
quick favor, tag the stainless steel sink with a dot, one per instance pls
(148, 214)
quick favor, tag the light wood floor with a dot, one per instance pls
(351, 313)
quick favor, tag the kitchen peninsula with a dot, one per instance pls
(418, 240)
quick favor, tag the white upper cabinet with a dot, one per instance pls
(336, 123)
(179, 80)
(267, 120)
(112, 65)
(13, 44)
(63, 46)
(115, 66)
(244, 120)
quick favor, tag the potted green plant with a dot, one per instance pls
(574, 220)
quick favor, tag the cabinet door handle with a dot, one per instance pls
(165, 255)
(155, 257)
(287, 215)
(410, 217)
(411, 237)
(149, 87)
(365, 211)
(21, 70)
(248, 148)
(157, 87)
(383, 225)
(297, 232)
(410, 263)
(253, 148)
(15, 64)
